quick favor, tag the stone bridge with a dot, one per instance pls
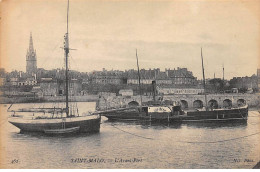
(186, 101)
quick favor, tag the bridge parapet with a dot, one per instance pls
(188, 101)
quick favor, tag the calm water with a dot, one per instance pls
(134, 145)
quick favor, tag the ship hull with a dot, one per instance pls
(238, 114)
(125, 116)
(220, 115)
(86, 124)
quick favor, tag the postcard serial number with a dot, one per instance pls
(243, 160)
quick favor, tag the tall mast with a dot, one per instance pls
(223, 79)
(66, 49)
(204, 83)
(223, 73)
(139, 79)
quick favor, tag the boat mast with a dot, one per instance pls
(223, 79)
(223, 73)
(66, 50)
(204, 83)
(139, 79)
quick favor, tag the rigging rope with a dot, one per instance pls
(199, 142)
(189, 141)
(132, 133)
(226, 140)
(73, 61)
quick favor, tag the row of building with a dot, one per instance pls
(169, 81)
(128, 77)
(179, 76)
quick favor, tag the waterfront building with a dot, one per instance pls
(48, 87)
(56, 87)
(181, 76)
(14, 81)
(21, 82)
(162, 79)
(107, 79)
(133, 80)
(16, 78)
(126, 92)
(104, 77)
(173, 91)
(31, 59)
(244, 82)
(30, 81)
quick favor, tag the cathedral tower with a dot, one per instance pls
(31, 60)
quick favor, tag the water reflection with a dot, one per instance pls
(144, 124)
(128, 140)
(216, 125)
(177, 125)
(40, 135)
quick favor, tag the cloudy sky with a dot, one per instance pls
(167, 34)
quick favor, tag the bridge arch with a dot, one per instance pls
(227, 103)
(133, 104)
(197, 104)
(184, 104)
(241, 102)
(213, 103)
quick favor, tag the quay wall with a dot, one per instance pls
(24, 99)
(253, 100)
(113, 101)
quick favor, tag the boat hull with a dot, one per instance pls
(62, 131)
(126, 116)
(86, 124)
(238, 114)
(223, 115)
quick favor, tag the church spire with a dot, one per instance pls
(31, 44)
(31, 59)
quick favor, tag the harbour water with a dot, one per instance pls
(134, 145)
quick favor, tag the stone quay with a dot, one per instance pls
(186, 101)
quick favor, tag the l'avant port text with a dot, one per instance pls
(104, 160)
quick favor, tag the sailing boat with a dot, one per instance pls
(213, 115)
(155, 111)
(165, 113)
(59, 124)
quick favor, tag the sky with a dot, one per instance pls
(106, 34)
